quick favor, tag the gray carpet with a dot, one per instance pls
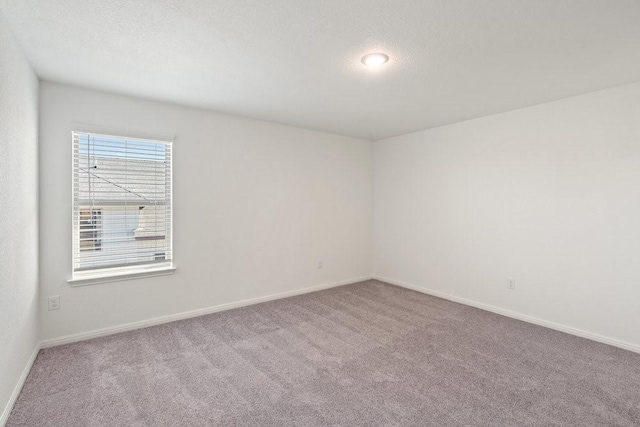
(361, 354)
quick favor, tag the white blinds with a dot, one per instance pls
(121, 202)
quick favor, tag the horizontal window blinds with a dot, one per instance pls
(121, 202)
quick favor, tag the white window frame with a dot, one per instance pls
(116, 274)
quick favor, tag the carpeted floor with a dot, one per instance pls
(361, 354)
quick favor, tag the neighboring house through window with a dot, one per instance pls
(121, 204)
(90, 229)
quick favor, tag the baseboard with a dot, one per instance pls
(222, 307)
(16, 391)
(515, 315)
(67, 339)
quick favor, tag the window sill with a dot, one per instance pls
(92, 278)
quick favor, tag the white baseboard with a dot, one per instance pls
(222, 307)
(151, 322)
(16, 390)
(189, 314)
(515, 315)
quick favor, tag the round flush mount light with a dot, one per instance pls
(374, 59)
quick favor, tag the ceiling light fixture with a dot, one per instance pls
(374, 59)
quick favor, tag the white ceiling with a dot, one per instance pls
(297, 62)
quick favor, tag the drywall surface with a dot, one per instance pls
(298, 62)
(18, 214)
(548, 195)
(256, 205)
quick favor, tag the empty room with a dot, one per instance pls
(319, 213)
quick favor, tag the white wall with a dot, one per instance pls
(18, 214)
(548, 195)
(256, 206)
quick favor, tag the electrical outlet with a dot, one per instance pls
(54, 302)
(320, 264)
(511, 283)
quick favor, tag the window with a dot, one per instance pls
(122, 219)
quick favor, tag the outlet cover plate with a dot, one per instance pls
(54, 302)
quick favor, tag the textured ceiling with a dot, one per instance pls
(298, 62)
